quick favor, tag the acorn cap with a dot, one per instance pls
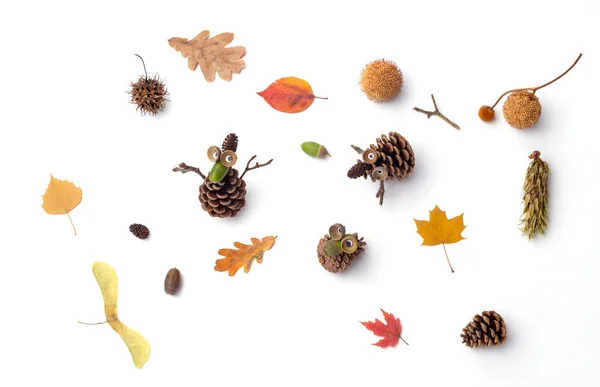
(381, 80)
(522, 109)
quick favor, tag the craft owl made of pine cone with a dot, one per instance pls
(391, 158)
(338, 250)
(223, 191)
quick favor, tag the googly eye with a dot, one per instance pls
(337, 231)
(228, 158)
(370, 156)
(379, 173)
(213, 153)
(349, 244)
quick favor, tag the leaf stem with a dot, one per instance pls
(437, 112)
(143, 64)
(100, 323)
(448, 259)
(534, 89)
(314, 96)
(403, 340)
(72, 225)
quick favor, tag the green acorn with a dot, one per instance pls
(314, 149)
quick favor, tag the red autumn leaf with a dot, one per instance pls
(390, 331)
(289, 95)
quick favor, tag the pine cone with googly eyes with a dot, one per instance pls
(337, 250)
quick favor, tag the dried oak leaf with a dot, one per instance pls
(289, 95)
(108, 281)
(390, 330)
(211, 54)
(440, 230)
(61, 197)
(244, 255)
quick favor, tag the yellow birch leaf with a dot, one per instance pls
(244, 255)
(61, 197)
(138, 345)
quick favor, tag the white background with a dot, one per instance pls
(66, 68)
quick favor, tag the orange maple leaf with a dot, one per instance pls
(440, 230)
(244, 255)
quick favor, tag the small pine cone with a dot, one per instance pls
(139, 230)
(224, 199)
(230, 142)
(358, 170)
(535, 197)
(484, 330)
(149, 94)
(395, 153)
(342, 261)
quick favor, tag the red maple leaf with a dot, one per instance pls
(390, 331)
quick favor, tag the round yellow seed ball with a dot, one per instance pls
(522, 109)
(381, 80)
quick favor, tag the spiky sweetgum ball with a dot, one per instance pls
(381, 80)
(149, 94)
(486, 114)
(522, 109)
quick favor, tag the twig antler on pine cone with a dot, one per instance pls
(254, 167)
(184, 168)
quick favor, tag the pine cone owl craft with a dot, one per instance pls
(223, 191)
(391, 158)
(338, 250)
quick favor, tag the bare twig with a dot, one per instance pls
(184, 168)
(380, 192)
(436, 112)
(254, 167)
(357, 149)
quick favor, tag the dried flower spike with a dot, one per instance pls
(535, 197)
(149, 94)
(314, 149)
(381, 80)
(522, 108)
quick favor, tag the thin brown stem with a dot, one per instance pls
(184, 168)
(448, 259)
(254, 167)
(72, 225)
(144, 64)
(100, 323)
(534, 89)
(380, 192)
(403, 340)
(437, 112)
(314, 96)
(357, 149)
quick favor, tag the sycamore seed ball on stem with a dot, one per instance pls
(381, 80)
(522, 109)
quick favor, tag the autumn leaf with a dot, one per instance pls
(440, 230)
(211, 54)
(137, 344)
(289, 95)
(61, 197)
(390, 330)
(244, 255)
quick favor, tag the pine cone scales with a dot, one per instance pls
(358, 170)
(396, 154)
(230, 142)
(224, 199)
(342, 261)
(487, 329)
(139, 230)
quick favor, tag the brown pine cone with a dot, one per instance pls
(396, 154)
(342, 261)
(358, 170)
(224, 199)
(139, 230)
(484, 330)
(230, 142)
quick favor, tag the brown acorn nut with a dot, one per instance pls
(522, 108)
(173, 281)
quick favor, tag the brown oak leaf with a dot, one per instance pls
(244, 255)
(211, 54)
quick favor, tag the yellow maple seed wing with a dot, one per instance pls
(138, 345)
(61, 197)
(454, 227)
(109, 286)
